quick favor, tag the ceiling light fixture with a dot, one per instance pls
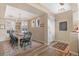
(61, 9)
(61, 3)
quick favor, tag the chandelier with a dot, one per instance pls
(61, 9)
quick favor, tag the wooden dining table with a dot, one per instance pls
(20, 36)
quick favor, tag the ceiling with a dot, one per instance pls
(28, 11)
(13, 12)
(56, 8)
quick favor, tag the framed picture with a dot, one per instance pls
(33, 23)
(36, 23)
(63, 26)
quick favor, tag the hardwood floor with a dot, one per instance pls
(10, 51)
(46, 50)
(1, 49)
(39, 50)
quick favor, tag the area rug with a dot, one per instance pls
(9, 51)
(60, 45)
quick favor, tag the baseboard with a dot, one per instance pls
(74, 53)
(40, 42)
(52, 42)
(4, 41)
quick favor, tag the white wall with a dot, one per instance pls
(78, 25)
(51, 29)
(74, 35)
(75, 17)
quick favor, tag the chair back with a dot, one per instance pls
(13, 38)
(27, 35)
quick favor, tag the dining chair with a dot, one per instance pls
(13, 39)
(26, 40)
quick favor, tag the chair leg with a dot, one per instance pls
(30, 44)
(21, 44)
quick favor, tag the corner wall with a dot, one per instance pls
(39, 34)
(66, 36)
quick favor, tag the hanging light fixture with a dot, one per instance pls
(61, 9)
(61, 3)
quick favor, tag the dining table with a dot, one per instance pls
(20, 36)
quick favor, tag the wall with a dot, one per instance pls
(39, 34)
(2, 10)
(51, 29)
(78, 24)
(66, 36)
(2, 21)
(74, 34)
(63, 35)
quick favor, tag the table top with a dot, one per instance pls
(20, 34)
